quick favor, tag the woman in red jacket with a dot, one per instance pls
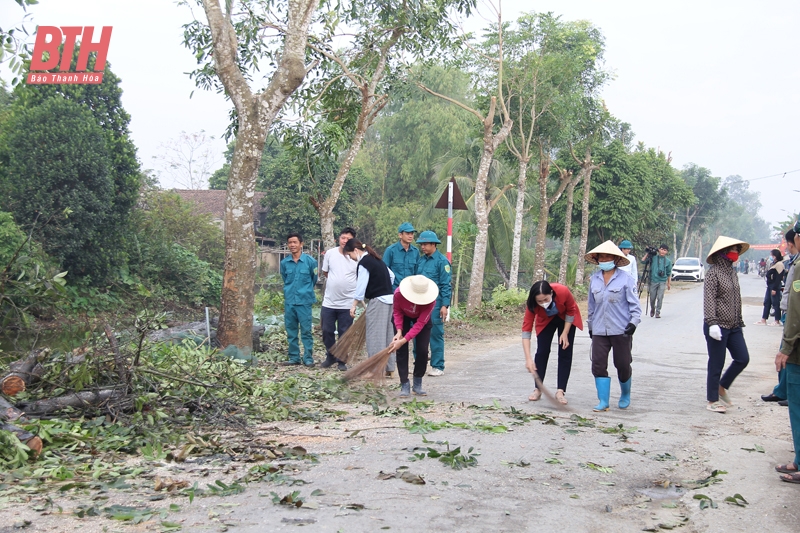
(550, 308)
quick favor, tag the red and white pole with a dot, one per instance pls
(450, 222)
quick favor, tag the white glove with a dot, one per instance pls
(715, 333)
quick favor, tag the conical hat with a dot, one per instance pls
(607, 247)
(723, 242)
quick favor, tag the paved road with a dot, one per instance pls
(666, 436)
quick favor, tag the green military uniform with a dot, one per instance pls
(401, 261)
(790, 346)
(299, 279)
(436, 267)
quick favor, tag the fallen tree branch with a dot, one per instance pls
(10, 413)
(181, 380)
(119, 360)
(78, 400)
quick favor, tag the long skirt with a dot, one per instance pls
(380, 330)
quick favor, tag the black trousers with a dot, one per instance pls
(333, 319)
(602, 345)
(544, 341)
(421, 343)
(772, 302)
(732, 341)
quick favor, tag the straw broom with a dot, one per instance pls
(372, 368)
(352, 342)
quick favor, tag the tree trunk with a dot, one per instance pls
(498, 264)
(587, 189)
(522, 184)
(686, 228)
(490, 144)
(23, 373)
(562, 270)
(545, 203)
(255, 114)
(10, 413)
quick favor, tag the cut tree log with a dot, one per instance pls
(26, 437)
(112, 398)
(24, 372)
(10, 413)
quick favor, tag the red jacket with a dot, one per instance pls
(565, 303)
(403, 308)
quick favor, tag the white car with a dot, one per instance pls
(688, 268)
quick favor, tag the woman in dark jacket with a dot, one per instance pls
(772, 298)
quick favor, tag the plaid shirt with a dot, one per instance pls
(722, 298)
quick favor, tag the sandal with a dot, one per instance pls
(717, 407)
(791, 478)
(725, 398)
(535, 395)
(560, 397)
(784, 469)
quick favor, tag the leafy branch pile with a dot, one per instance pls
(123, 395)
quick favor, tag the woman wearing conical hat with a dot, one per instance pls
(614, 313)
(723, 323)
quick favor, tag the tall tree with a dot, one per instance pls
(548, 63)
(230, 47)
(491, 80)
(710, 198)
(358, 80)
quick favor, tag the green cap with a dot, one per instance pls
(406, 227)
(626, 244)
(428, 236)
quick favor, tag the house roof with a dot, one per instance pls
(213, 201)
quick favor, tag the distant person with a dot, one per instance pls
(772, 296)
(299, 273)
(631, 268)
(778, 394)
(614, 313)
(375, 284)
(414, 302)
(340, 288)
(435, 266)
(723, 323)
(550, 308)
(788, 359)
(402, 256)
(660, 278)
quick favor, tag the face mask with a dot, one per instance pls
(605, 266)
(733, 256)
(546, 304)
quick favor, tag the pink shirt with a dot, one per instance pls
(404, 308)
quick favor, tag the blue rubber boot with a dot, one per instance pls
(603, 392)
(417, 388)
(405, 389)
(625, 397)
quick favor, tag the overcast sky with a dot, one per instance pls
(713, 82)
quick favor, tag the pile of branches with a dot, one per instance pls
(157, 387)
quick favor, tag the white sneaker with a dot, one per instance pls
(435, 372)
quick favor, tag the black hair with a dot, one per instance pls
(777, 254)
(790, 235)
(538, 288)
(664, 246)
(294, 234)
(355, 244)
(349, 230)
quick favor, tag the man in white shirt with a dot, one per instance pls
(631, 268)
(340, 288)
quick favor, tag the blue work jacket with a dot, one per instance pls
(401, 261)
(299, 279)
(436, 267)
